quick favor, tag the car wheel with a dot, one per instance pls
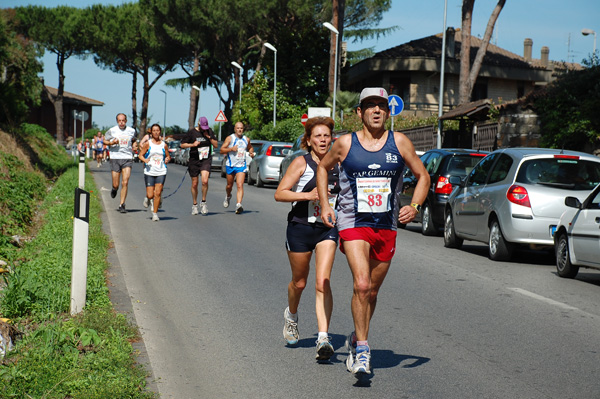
(259, 181)
(428, 228)
(564, 266)
(499, 248)
(450, 238)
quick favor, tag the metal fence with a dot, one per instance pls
(486, 137)
(425, 138)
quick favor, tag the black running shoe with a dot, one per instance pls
(122, 208)
(113, 193)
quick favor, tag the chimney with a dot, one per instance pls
(528, 44)
(450, 43)
(545, 53)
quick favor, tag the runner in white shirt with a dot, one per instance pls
(121, 141)
(234, 148)
(155, 155)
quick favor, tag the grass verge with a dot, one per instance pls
(59, 356)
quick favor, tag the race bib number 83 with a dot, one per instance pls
(373, 194)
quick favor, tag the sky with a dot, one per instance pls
(556, 24)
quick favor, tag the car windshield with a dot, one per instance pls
(462, 165)
(564, 173)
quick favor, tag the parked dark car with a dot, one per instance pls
(441, 164)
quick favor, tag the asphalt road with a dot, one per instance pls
(208, 293)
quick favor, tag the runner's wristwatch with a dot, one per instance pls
(416, 206)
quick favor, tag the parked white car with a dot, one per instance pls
(577, 237)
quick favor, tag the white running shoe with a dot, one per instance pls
(155, 217)
(195, 209)
(290, 329)
(203, 208)
(239, 208)
(146, 202)
(226, 202)
(360, 364)
(324, 348)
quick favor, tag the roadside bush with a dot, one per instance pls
(286, 130)
(40, 285)
(48, 156)
(19, 192)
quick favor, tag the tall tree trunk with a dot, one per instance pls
(468, 73)
(144, 114)
(134, 102)
(464, 85)
(58, 101)
(194, 94)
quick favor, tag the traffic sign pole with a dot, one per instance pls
(396, 106)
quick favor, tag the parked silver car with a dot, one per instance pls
(295, 152)
(577, 237)
(515, 196)
(264, 168)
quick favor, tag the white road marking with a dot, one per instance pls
(543, 299)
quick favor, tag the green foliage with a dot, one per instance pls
(257, 104)
(48, 156)
(568, 110)
(286, 130)
(73, 359)
(20, 86)
(19, 191)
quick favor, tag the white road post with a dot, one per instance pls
(81, 170)
(80, 250)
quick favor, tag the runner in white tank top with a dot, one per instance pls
(155, 156)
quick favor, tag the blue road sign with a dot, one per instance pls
(396, 104)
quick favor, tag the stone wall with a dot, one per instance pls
(518, 127)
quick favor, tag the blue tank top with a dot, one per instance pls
(369, 182)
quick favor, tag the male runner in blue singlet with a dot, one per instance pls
(372, 163)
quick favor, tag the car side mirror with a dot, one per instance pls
(572, 202)
(285, 151)
(457, 181)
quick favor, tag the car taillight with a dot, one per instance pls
(477, 154)
(518, 195)
(443, 186)
(269, 151)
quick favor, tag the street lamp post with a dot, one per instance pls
(586, 32)
(272, 48)
(334, 30)
(165, 115)
(238, 66)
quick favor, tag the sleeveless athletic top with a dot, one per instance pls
(237, 159)
(307, 212)
(99, 143)
(156, 156)
(369, 182)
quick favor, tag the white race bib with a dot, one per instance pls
(203, 152)
(373, 194)
(314, 209)
(156, 160)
